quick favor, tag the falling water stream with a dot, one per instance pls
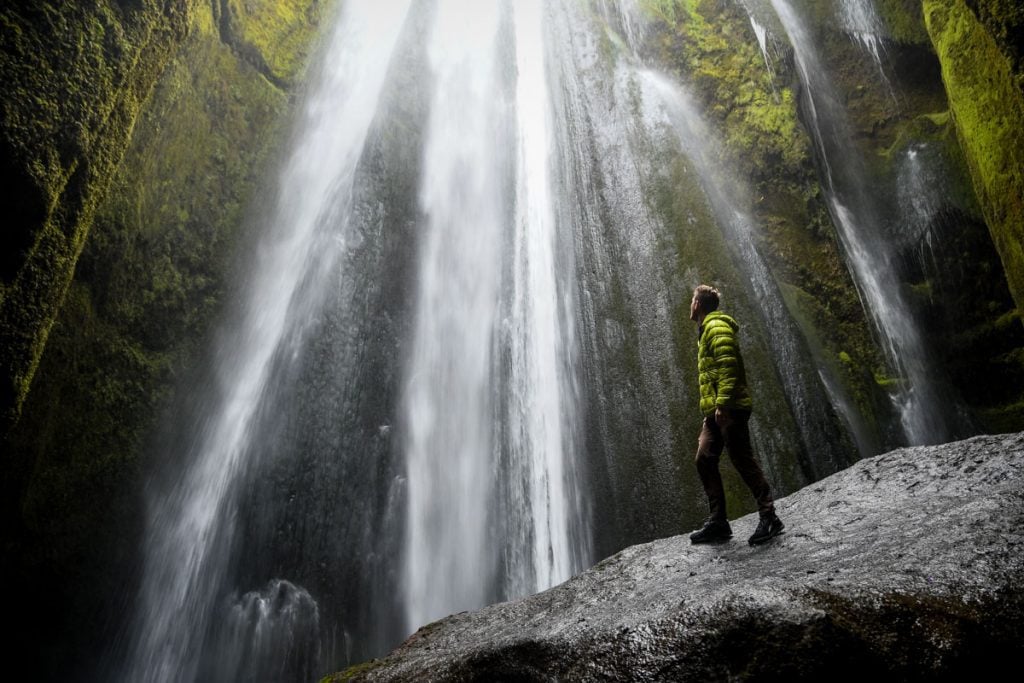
(490, 372)
(191, 524)
(927, 415)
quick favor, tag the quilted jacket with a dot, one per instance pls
(723, 381)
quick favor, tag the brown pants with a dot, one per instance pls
(736, 438)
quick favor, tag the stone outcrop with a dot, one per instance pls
(906, 565)
(74, 78)
(978, 45)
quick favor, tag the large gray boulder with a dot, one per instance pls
(906, 565)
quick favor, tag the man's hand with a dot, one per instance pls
(723, 418)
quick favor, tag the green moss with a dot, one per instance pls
(988, 108)
(353, 673)
(74, 76)
(904, 20)
(273, 36)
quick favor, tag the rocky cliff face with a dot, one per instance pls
(75, 76)
(146, 127)
(978, 44)
(906, 565)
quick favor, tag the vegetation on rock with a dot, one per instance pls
(75, 77)
(984, 83)
(148, 282)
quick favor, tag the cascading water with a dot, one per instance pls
(926, 414)
(539, 327)
(761, 33)
(450, 558)
(490, 375)
(862, 21)
(191, 525)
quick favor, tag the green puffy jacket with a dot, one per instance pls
(723, 381)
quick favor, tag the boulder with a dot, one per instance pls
(905, 565)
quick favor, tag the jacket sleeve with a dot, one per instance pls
(727, 362)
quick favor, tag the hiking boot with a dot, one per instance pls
(768, 528)
(713, 531)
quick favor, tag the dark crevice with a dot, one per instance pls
(247, 52)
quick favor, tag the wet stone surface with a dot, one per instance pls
(908, 564)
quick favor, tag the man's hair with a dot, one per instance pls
(707, 298)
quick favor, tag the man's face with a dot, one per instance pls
(694, 308)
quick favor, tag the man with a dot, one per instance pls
(726, 406)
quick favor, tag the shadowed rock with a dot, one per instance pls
(907, 564)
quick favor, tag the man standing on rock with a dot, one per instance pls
(726, 406)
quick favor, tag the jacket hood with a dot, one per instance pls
(718, 315)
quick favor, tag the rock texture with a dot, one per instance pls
(74, 78)
(978, 46)
(906, 565)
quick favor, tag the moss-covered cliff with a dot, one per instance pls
(161, 224)
(978, 46)
(75, 75)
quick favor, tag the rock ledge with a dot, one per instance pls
(906, 565)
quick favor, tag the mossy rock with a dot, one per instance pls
(75, 76)
(987, 103)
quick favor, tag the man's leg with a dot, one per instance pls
(709, 450)
(737, 442)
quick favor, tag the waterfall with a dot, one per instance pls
(624, 16)
(490, 375)
(926, 414)
(919, 199)
(455, 374)
(191, 524)
(859, 18)
(542, 408)
(761, 33)
(450, 402)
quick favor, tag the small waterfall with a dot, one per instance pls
(191, 524)
(919, 199)
(926, 414)
(810, 403)
(761, 33)
(625, 16)
(860, 19)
